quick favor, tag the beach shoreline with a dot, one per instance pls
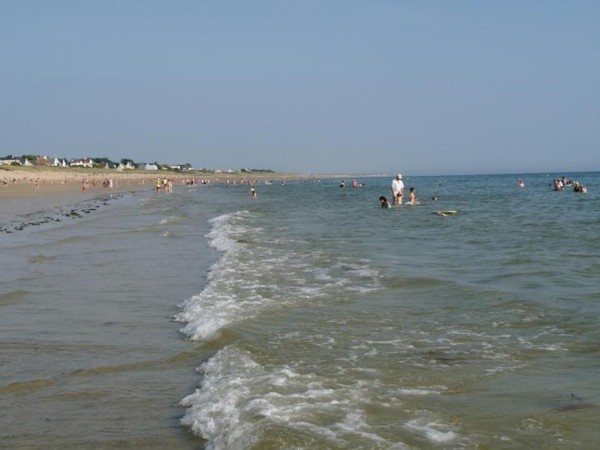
(25, 191)
(31, 196)
(36, 181)
(39, 181)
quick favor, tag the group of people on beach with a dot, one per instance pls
(5, 181)
(397, 189)
(165, 183)
(108, 183)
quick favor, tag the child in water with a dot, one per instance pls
(384, 202)
(412, 197)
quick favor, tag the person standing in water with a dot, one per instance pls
(398, 189)
(412, 196)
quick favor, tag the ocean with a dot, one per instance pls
(307, 318)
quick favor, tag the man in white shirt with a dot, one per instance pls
(398, 189)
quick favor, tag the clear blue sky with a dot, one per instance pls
(309, 86)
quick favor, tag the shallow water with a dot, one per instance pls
(315, 319)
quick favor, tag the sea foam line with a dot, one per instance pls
(253, 275)
(240, 400)
(208, 311)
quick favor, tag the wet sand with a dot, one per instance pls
(45, 182)
(37, 196)
(25, 190)
(32, 189)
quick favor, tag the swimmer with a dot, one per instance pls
(578, 187)
(384, 202)
(412, 197)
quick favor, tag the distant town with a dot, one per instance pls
(108, 164)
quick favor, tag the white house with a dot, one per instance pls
(59, 162)
(128, 166)
(85, 162)
(10, 159)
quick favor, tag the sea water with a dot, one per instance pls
(308, 318)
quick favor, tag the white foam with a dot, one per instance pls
(239, 397)
(253, 276)
(216, 305)
(500, 369)
(355, 423)
(221, 231)
(433, 431)
(419, 391)
(213, 410)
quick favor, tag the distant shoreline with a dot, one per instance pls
(24, 190)
(41, 181)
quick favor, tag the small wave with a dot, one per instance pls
(171, 219)
(224, 229)
(240, 400)
(254, 276)
(435, 432)
(12, 297)
(421, 391)
(37, 259)
(26, 386)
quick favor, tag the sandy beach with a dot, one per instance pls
(40, 181)
(28, 182)
(25, 190)
(28, 190)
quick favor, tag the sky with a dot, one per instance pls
(305, 86)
